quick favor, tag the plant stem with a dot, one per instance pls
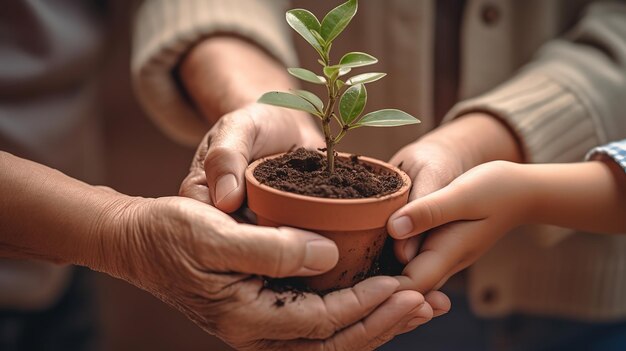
(330, 152)
(330, 145)
(330, 142)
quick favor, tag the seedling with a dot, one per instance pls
(350, 94)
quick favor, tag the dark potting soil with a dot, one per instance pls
(304, 172)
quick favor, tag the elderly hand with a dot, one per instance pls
(432, 163)
(202, 262)
(216, 175)
(224, 76)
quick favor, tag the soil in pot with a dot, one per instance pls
(304, 172)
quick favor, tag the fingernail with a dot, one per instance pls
(402, 226)
(225, 185)
(416, 321)
(410, 248)
(439, 313)
(320, 255)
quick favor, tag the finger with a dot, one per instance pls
(439, 302)
(379, 327)
(420, 316)
(268, 251)
(436, 209)
(430, 167)
(228, 154)
(405, 250)
(247, 134)
(194, 186)
(402, 309)
(348, 306)
(447, 250)
(429, 179)
(307, 316)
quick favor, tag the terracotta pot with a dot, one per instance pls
(358, 226)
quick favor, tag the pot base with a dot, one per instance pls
(352, 266)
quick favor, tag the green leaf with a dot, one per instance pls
(365, 78)
(357, 59)
(319, 38)
(304, 22)
(306, 75)
(344, 70)
(352, 103)
(338, 19)
(281, 99)
(340, 83)
(386, 118)
(329, 71)
(311, 98)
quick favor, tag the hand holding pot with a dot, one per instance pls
(432, 163)
(216, 175)
(200, 261)
(225, 76)
(185, 253)
(489, 200)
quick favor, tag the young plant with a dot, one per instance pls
(350, 94)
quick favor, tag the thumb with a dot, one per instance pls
(229, 152)
(436, 209)
(277, 252)
(418, 215)
(243, 135)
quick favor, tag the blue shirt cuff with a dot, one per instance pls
(615, 150)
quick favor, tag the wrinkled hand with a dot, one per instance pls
(432, 163)
(199, 260)
(224, 76)
(216, 175)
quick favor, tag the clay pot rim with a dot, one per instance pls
(406, 183)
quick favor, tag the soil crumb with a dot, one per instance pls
(288, 290)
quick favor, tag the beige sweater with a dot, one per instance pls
(561, 96)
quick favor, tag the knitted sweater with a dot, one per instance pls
(561, 95)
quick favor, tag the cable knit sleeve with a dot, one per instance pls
(572, 96)
(569, 99)
(164, 32)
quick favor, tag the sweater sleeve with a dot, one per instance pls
(572, 96)
(166, 30)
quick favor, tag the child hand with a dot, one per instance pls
(464, 220)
